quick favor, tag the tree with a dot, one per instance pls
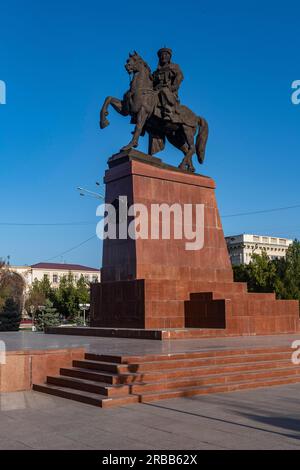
(45, 287)
(2, 287)
(10, 316)
(12, 286)
(83, 291)
(281, 276)
(65, 299)
(46, 316)
(289, 272)
(69, 295)
(260, 274)
(39, 292)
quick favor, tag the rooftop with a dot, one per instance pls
(246, 235)
(63, 267)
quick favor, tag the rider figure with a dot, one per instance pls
(166, 80)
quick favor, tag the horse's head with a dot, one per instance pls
(135, 63)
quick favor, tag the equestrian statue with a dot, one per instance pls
(153, 104)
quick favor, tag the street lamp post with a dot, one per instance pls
(93, 194)
(84, 308)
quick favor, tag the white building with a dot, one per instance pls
(241, 247)
(54, 272)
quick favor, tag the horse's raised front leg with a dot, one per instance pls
(116, 104)
(141, 120)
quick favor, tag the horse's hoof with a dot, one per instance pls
(125, 148)
(104, 123)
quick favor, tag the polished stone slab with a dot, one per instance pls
(15, 341)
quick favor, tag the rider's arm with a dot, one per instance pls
(178, 78)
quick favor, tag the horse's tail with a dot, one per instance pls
(201, 140)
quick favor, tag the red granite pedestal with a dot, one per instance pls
(158, 283)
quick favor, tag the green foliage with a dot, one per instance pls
(77, 319)
(10, 316)
(65, 299)
(83, 291)
(289, 287)
(3, 289)
(11, 298)
(11, 285)
(39, 292)
(260, 273)
(281, 276)
(46, 317)
(45, 286)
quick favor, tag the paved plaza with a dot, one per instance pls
(260, 419)
(265, 418)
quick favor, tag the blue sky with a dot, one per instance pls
(60, 59)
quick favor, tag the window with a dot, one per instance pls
(256, 238)
(282, 241)
(95, 278)
(55, 278)
(265, 239)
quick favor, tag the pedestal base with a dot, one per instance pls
(224, 308)
(158, 283)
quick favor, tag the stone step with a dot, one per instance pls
(89, 386)
(157, 376)
(104, 358)
(86, 397)
(185, 355)
(246, 306)
(261, 295)
(114, 380)
(159, 334)
(209, 389)
(214, 379)
(187, 363)
(202, 296)
(101, 366)
(98, 376)
(179, 363)
(224, 287)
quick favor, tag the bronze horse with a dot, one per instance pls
(141, 102)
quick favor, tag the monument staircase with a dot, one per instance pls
(108, 381)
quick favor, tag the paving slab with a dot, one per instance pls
(267, 418)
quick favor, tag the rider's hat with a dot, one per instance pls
(164, 49)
